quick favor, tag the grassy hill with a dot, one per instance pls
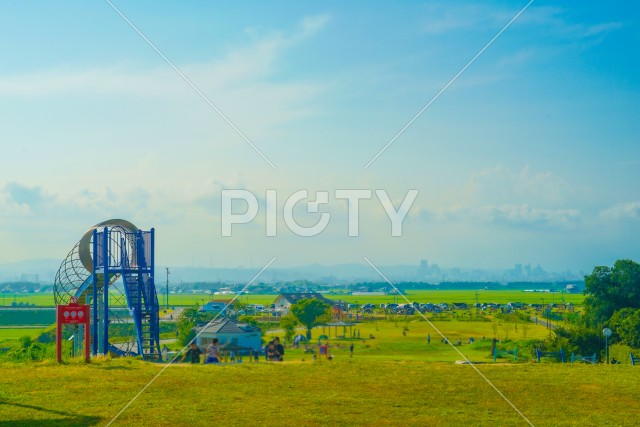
(339, 392)
(396, 378)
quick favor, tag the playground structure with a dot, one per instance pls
(108, 251)
(634, 359)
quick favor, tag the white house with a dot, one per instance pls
(285, 301)
(231, 332)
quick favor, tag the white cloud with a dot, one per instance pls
(241, 66)
(312, 24)
(521, 216)
(501, 185)
(502, 196)
(525, 215)
(446, 17)
(622, 211)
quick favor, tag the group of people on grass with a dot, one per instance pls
(274, 352)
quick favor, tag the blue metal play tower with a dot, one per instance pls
(108, 251)
(129, 254)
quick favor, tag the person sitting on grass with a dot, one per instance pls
(271, 351)
(193, 353)
(213, 352)
(279, 350)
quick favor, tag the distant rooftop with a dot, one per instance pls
(224, 325)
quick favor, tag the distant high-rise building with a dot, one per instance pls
(423, 269)
(517, 270)
(31, 278)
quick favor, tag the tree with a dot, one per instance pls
(626, 325)
(611, 289)
(249, 320)
(236, 309)
(525, 329)
(188, 319)
(288, 323)
(507, 329)
(578, 339)
(311, 313)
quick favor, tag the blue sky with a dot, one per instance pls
(532, 155)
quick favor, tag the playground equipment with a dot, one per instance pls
(108, 251)
(559, 355)
(634, 359)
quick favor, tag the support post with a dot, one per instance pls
(58, 335)
(94, 278)
(105, 292)
(87, 340)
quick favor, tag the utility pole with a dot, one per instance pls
(168, 273)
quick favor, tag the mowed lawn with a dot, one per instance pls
(390, 342)
(358, 392)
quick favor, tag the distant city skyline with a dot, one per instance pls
(530, 156)
(43, 271)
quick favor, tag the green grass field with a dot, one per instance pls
(358, 392)
(13, 333)
(422, 296)
(391, 343)
(392, 379)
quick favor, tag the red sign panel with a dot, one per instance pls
(73, 314)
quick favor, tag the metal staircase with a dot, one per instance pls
(141, 297)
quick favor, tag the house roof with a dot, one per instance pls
(233, 347)
(294, 298)
(340, 323)
(224, 325)
(218, 301)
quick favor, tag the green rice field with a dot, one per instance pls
(422, 296)
(13, 332)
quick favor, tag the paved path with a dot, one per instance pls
(543, 322)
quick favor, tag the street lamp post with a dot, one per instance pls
(607, 333)
(167, 290)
